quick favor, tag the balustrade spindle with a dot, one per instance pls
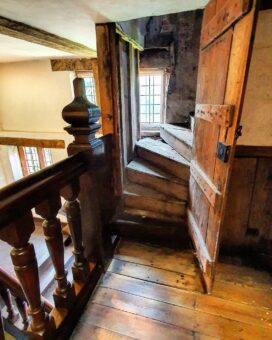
(6, 296)
(23, 256)
(80, 267)
(21, 306)
(2, 334)
(64, 294)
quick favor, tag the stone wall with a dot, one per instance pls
(172, 43)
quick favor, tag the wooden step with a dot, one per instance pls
(139, 197)
(153, 216)
(179, 138)
(164, 157)
(142, 172)
(171, 235)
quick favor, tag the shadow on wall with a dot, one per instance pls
(172, 44)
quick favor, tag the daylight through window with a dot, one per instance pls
(90, 89)
(150, 98)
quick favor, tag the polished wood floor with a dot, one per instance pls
(151, 292)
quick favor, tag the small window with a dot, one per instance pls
(34, 159)
(89, 85)
(47, 157)
(90, 89)
(151, 97)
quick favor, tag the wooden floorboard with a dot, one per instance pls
(155, 292)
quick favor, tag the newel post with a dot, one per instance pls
(83, 118)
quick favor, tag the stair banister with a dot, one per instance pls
(96, 197)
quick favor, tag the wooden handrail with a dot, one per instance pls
(42, 191)
(29, 191)
(84, 180)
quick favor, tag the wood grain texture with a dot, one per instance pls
(217, 114)
(34, 35)
(239, 201)
(221, 81)
(235, 87)
(141, 299)
(200, 245)
(222, 18)
(206, 185)
(83, 64)
(38, 143)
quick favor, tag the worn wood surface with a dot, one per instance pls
(248, 216)
(38, 143)
(221, 81)
(107, 57)
(209, 189)
(155, 291)
(83, 64)
(34, 35)
(220, 16)
(217, 114)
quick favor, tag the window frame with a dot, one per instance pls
(153, 72)
(23, 160)
(89, 74)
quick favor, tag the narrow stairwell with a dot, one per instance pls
(155, 195)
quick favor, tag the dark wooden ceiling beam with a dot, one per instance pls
(34, 35)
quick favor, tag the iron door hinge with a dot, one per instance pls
(223, 151)
(238, 132)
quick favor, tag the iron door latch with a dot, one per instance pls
(223, 151)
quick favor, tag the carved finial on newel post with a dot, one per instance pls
(83, 116)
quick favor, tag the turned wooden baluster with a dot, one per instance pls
(23, 256)
(64, 294)
(70, 193)
(2, 334)
(6, 296)
(21, 306)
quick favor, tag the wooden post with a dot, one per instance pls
(108, 57)
(23, 256)
(6, 296)
(2, 334)
(80, 267)
(64, 294)
(21, 306)
(83, 117)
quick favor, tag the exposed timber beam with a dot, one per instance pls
(72, 64)
(34, 35)
(38, 143)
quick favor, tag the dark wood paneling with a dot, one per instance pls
(239, 201)
(253, 151)
(248, 219)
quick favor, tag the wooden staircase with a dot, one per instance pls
(155, 194)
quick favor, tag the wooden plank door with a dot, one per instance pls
(224, 54)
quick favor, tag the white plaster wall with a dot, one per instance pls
(31, 101)
(257, 110)
(32, 96)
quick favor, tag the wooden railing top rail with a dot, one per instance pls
(26, 193)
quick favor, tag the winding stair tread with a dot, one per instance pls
(142, 166)
(151, 215)
(180, 133)
(144, 191)
(162, 149)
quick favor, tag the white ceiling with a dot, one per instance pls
(12, 50)
(75, 19)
